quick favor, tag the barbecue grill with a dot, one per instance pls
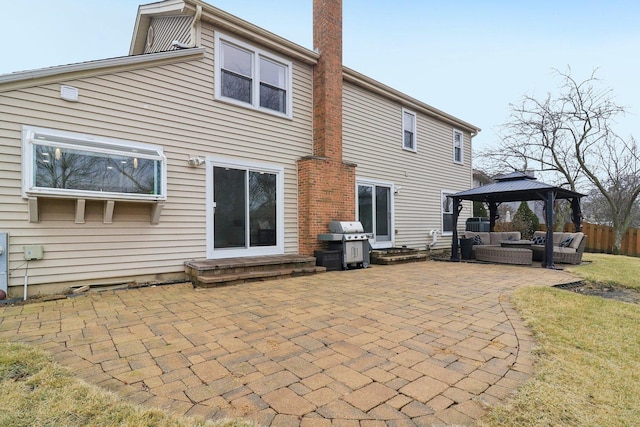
(350, 238)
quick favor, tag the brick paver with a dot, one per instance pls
(428, 343)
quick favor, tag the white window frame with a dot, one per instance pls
(443, 194)
(278, 249)
(414, 130)
(459, 161)
(35, 136)
(256, 54)
(374, 182)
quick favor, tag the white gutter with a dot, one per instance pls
(99, 64)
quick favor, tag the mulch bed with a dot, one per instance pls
(604, 290)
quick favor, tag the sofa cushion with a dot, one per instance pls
(566, 242)
(558, 237)
(539, 240)
(483, 236)
(577, 239)
(477, 240)
(563, 250)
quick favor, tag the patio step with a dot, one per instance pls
(228, 271)
(383, 258)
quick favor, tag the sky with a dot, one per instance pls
(469, 58)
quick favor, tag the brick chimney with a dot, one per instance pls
(326, 184)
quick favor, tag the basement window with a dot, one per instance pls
(72, 165)
(252, 78)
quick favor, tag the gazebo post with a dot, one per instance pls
(548, 244)
(457, 207)
(493, 215)
(576, 214)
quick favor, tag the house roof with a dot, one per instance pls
(513, 187)
(256, 34)
(227, 22)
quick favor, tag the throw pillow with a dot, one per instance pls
(477, 240)
(539, 240)
(566, 242)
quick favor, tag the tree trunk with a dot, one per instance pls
(618, 235)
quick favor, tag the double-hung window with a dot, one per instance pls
(252, 78)
(409, 133)
(66, 164)
(458, 153)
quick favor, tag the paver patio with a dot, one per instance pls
(430, 343)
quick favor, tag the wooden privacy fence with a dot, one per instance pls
(600, 238)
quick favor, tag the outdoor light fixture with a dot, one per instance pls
(195, 161)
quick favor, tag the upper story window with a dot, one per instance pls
(251, 77)
(409, 133)
(458, 146)
(66, 164)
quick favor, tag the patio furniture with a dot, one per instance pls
(563, 253)
(500, 255)
(489, 238)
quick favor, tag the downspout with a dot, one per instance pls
(194, 31)
(434, 239)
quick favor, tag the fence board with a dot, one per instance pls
(600, 238)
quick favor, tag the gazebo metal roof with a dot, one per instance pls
(513, 187)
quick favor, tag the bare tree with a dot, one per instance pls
(569, 135)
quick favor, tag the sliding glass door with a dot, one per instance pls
(246, 204)
(375, 211)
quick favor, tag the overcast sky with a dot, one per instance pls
(469, 58)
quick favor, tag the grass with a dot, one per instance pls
(35, 391)
(611, 269)
(588, 371)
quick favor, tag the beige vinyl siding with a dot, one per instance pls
(166, 29)
(372, 138)
(172, 106)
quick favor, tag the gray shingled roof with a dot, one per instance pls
(513, 187)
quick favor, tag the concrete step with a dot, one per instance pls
(399, 258)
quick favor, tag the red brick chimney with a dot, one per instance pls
(326, 184)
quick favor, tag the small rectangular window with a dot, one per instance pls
(458, 146)
(409, 130)
(58, 163)
(252, 77)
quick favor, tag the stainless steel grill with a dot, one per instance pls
(349, 236)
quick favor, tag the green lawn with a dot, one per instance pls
(588, 370)
(612, 269)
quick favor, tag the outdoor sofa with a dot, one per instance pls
(489, 238)
(567, 247)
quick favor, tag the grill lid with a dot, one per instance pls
(345, 227)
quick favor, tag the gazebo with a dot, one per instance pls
(515, 187)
